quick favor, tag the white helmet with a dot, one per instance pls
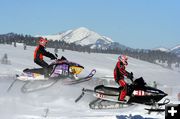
(123, 59)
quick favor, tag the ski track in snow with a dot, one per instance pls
(57, 101)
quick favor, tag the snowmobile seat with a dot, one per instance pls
(107, 90)
(35, 70)
(39, 70)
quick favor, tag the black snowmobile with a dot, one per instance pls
(138, 92)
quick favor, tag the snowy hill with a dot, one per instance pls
(57, 102)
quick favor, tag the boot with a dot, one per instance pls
(127, 98)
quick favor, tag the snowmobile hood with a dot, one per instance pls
(76, 69)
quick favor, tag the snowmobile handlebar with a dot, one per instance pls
(56, 55)
(130, 76)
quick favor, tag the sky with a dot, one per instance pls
(135, 23)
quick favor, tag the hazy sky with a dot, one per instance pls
(134, 23)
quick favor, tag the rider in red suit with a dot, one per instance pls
(40, 52)
(119, 73)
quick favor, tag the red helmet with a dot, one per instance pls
(43, 41)
(123, 59)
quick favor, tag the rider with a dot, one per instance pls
(119, 73)
(40, 52)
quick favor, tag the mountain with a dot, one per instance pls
(176, 50)
(162, 49)
(83, 36)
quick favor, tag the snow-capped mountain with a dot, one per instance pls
(81, 36)
(176, 50)
(162, 49)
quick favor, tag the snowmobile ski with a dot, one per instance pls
(32, 86)
(82, 94)
(154, 110)
(9, 88)
(157, 107)
(80, 80)
(12, 84)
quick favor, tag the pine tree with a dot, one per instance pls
(15, 44)
(56, 50)
(25, 47)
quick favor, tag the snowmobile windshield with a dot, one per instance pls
(140, 81)
(76, 69)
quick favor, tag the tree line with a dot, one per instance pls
(153, 56)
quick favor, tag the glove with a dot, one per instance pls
(130, 76)
(53, 57)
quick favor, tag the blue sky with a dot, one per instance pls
(134, 23)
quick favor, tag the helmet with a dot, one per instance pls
(75, 69)
(43, 41)
(123, 59)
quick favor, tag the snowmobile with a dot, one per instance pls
(40, 78)
(137, 93)
(59, 69)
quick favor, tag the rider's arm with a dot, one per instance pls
(124, 72)
(46, 53)
(122, 69)
(130, 75)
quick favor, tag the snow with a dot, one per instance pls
(175, 48)
(57, 102)
(162, 49)
(56, 36)
(82, 36)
